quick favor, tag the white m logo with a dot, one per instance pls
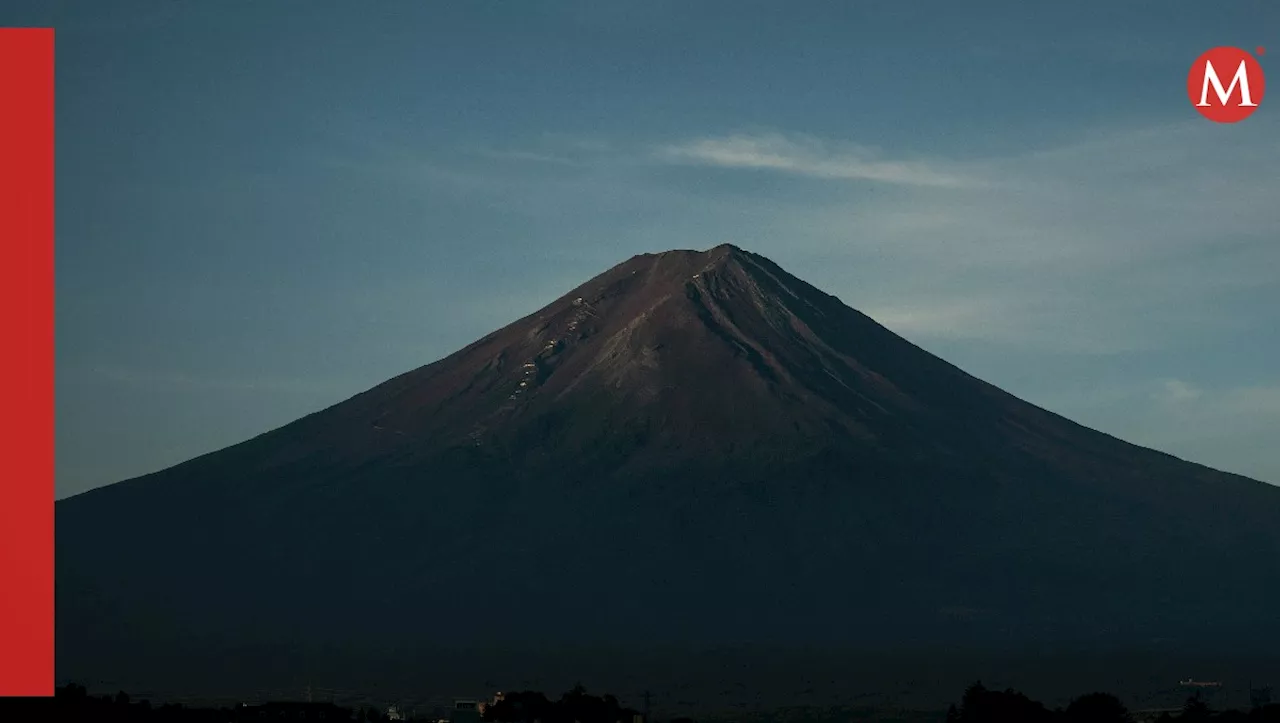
(1241, 78)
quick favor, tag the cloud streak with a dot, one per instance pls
(1125, 240)
(807, 156)
(1119, 241)
(1224, 426)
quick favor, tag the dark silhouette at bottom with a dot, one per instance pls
(978, 704)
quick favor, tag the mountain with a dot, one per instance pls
(691, 449)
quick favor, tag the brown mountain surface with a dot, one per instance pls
(693, 448)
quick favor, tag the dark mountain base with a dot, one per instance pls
(691, 448)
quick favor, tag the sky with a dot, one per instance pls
(265, 208)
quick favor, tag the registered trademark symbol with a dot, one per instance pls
(1262, 50)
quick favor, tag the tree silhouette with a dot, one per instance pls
(1195, 711)
(574, 705)
(72, 692)
(1098, 708)
(980, 705)
(520, 707)
(971, 702)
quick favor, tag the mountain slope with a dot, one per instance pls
(693, 447)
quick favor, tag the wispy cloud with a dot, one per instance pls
(1186, 403)
(936, 319)
(577, 143)
(1176, 391)
(528, 156)
(562, 149)
(1226, 426)
(807, 156)
(1047, 321)
(1125, 240)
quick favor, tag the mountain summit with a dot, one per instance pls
(690, 448)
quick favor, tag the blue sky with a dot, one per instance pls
(266, 207)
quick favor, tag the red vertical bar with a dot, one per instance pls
(26, 362)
